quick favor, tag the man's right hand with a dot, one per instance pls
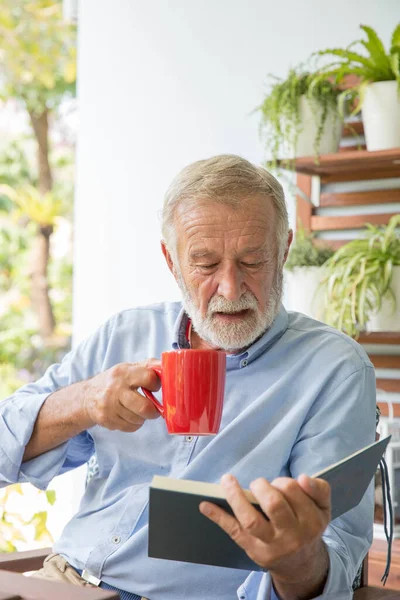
(111, 398)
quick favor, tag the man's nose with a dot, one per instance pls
(230, 284)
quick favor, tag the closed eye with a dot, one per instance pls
(252, 265)
(208, 266)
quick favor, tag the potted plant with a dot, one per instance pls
(362, 282)
(377, 92)
(304, 273)
(299, 116)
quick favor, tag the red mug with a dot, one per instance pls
(193, 385)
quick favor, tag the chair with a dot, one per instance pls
(14, 586)
(366, 592)
(17, 587)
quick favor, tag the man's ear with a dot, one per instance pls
(168, 258)
(289, 242)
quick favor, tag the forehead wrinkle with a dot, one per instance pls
(217, 231)
(200, 228)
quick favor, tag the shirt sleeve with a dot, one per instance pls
(19, 412)
(341, 421)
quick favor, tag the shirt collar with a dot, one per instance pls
(277, 329)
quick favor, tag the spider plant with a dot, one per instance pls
(359, 276)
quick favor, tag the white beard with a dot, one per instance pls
(233, 336)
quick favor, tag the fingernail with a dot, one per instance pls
(205, 509)
(227, 480)
(311, 482)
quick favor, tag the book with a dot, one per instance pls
(178, 530)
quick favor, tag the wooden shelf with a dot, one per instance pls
(385, 361)
(380, 337)
(388, 385)
(352, 165)
(332, 199)
(377, 563)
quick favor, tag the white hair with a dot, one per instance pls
(227, 179)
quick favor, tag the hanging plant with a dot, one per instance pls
(281, 110)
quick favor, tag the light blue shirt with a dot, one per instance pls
(300, 398)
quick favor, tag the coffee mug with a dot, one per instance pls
(192, 385)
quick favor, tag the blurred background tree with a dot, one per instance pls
(38, 69)
(37, 89)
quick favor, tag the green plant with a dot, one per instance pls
(38, 70)
(304, 253)
(280, 110)
(359, 276)
(374, 65)
(14, 528)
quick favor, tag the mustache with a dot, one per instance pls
(220, 304)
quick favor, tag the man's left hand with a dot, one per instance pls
(289, 542)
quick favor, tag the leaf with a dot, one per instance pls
(376, 50)
(39, 521)
(387, 275)
(395, 41)
(395, 64)
(361, 303)
(51, 496)
(70, 72)
(7, 546)
(17, 487)
(349, 56)
(47, 79)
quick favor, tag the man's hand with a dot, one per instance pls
(288, 544)
(111, 398)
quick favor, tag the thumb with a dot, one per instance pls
(317, 489)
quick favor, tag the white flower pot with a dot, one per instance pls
(381, 115)
(310, 115)
(388, 318)
(302, 292)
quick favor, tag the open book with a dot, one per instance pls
(178, 531)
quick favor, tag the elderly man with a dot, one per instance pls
(299, 396)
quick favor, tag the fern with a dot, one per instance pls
(375, 65)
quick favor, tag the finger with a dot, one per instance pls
(302, 505)
(310, 517)
(137, 375)
(317, 489)
(137, 404)
(128, 416)
(249, 518)
(120, 424)
(227, 522)
(144, 377)
(274, 504)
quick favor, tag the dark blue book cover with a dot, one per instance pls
(178, 531)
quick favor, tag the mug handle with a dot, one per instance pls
(151, 396)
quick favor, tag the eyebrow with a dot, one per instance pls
(196, 254)
(201, 254)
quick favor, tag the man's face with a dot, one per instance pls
(227, 270)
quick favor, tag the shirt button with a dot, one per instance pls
(115, 539)
(245, 363)
(189, 438)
